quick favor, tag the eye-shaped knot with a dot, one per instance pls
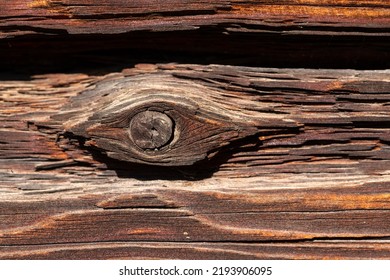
(155, 119)
(151, 130)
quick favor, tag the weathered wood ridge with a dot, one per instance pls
(294, 33)
(191, 161)
(368, 17)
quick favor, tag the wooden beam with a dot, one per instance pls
(26, 17)
(203, 250)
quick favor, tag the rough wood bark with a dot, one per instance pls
(317, 186)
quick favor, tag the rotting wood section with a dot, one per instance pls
(315, 187)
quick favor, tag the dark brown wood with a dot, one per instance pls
(214, 107)
(108, 150)
(363, 17)
(151, 130)
(296, 34)
(203, 250)
(305, 174)
(202, 122)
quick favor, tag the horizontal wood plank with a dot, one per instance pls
(204, 251)
(24, 17)
(318, 189)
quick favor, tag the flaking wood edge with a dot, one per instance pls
(25, 17)
(211, 109)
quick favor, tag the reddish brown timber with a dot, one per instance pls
(363, 17)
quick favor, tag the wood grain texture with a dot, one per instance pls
(201, 122)
(315, 187)
(26, 17)
(204, 250)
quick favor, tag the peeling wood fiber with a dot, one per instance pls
(22, 17)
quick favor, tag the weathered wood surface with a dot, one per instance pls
(362, 17)
(312, 182)
(294, 34)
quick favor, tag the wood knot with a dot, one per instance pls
(151, 130)
(154, 119)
